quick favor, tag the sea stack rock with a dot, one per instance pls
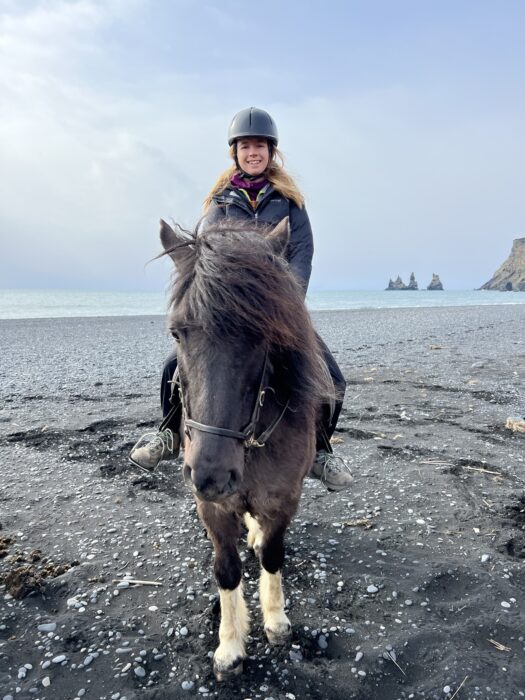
(435, 283)
(398, 284)
(510, 277)
(412, 284)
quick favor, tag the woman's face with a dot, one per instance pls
(253, 155)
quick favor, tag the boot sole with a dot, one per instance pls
(147, 470)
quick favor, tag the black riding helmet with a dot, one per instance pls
(253, 122)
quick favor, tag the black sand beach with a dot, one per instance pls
(411, 585)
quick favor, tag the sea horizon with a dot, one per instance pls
(61, 303)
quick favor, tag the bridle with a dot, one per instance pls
(248, 434)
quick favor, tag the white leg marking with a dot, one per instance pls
(233, 631)
(255, 534)
(276, 624)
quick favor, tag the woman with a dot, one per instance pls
(256, 188)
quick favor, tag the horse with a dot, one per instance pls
(251, 380)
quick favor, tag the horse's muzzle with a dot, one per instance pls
(215, 486)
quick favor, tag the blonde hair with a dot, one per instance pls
(276, 175)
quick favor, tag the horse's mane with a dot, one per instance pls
(230, 283)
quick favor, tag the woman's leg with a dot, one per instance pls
(168, 396)
(331, 470)
(153, 447)
(331, 412)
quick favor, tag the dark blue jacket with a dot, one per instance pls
(271, 208)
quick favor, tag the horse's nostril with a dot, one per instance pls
(187, 474)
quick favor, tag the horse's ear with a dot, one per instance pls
(278, 238)
(172, 242)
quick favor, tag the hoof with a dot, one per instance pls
(280, 636)
(225, 673)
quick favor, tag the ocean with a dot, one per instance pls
(22, 303)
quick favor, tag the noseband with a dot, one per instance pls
(248, 434)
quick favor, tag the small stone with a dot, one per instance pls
(295, 655)
(359, 656)
(485, 558)
(504, 604)
(153, 608)
(139, 671)
(58, 659)
(47, 627)
(46, 682)
(89, 658)
(372, 589)
(184, 631)
(447, 689)
(321, 641)
(187, 685)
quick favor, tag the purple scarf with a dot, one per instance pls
(252, 187)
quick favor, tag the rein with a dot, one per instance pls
(248, 434)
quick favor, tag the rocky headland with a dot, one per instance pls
(510, 276)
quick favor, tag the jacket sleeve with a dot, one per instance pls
(301, 245)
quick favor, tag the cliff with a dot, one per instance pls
(510, 276)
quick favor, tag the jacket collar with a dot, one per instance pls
(232, 196)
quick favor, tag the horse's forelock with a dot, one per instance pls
(233, 285)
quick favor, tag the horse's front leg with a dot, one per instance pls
(276, 623)
(223, 529)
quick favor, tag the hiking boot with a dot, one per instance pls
(331, 470)
(152, 448)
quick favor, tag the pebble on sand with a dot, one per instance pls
(47, 627)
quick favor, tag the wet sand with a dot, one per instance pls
(411, 585)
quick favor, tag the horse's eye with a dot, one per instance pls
(176, 336)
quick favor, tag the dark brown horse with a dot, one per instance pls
(252, 380)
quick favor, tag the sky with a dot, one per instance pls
(402, 122)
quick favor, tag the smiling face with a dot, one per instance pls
(253, 155)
